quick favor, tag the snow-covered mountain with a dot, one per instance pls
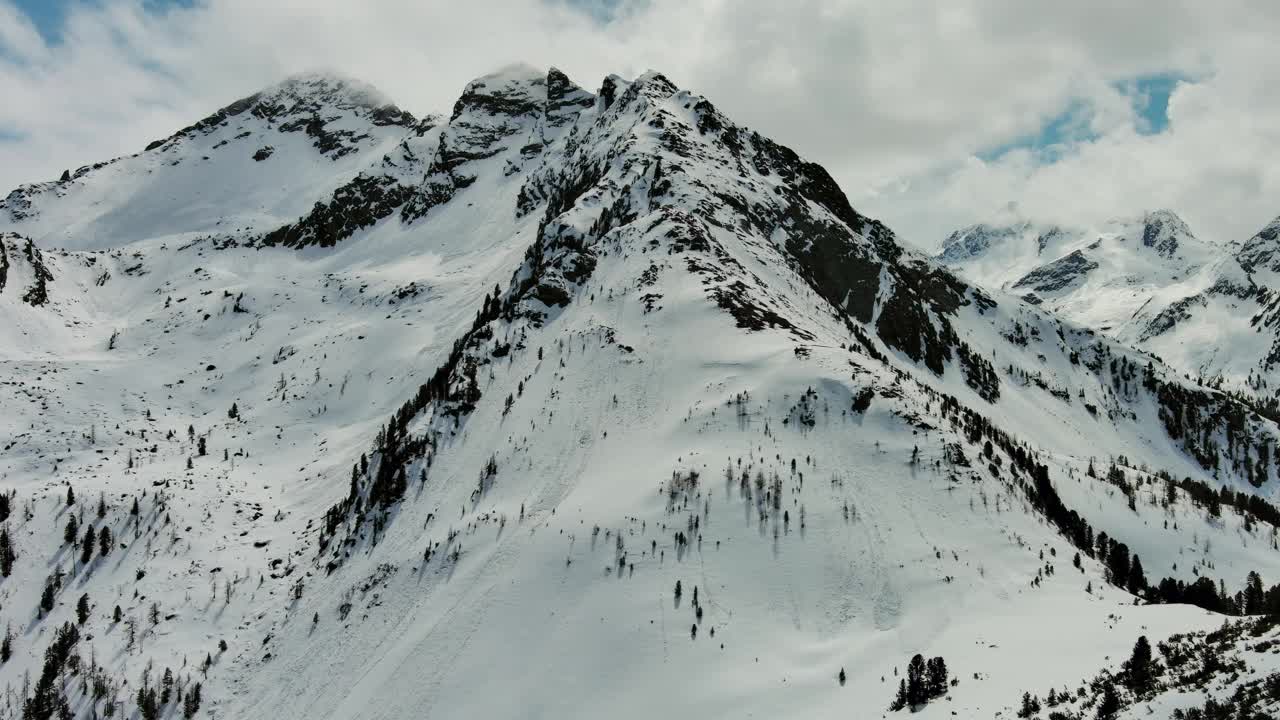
(579, 403)
(1204, 307)
(1099, 278)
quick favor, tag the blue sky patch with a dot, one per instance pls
(1148, 93)
(1054, 137)
(49, 15)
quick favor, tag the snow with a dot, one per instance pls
(869, 557)
(1199, 309)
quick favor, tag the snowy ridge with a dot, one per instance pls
(253, 164)
(467, 416)
(1206, 308)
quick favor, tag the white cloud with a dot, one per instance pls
(895, 98)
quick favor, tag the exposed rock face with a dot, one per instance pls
(18, 253)
(1162, 231)
(1058, 274)
(310, 104)
(1262, 251)
(976, 240)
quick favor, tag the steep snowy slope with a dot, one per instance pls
(444, 441)
(254, 164)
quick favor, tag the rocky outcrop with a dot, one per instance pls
(1057, 275)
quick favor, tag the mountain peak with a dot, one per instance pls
(516, 89)
(1163, 230)
(306, 101)
(326, 86)
(1262, 251)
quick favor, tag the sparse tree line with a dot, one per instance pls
(1122, 569)
(52, 695)
(1188, 663)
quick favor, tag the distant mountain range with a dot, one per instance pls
(1205, 307)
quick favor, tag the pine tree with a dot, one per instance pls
(82, 609)
(86, 546)
(234, 412)
(900, 701)
(71, 496)
(72, 533)
(1254, 596)
(104, 541)
(1138, 667)
(1137, 580)
(936, 677)
(46, 597)
(7, 554)
(6, 645)
(1110, 703)
(102, 506)
(191, 703)
(917, 688)
(148, 708)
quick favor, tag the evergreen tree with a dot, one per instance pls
(917, 683)
(104, 541)
(191, 703)
(72, 533)
(46, 597)
(6, 646)
(1139, 667)
(7, 554)
(234, 412)
(1254, 596)
(1109, 705)
(1030, 705)
(900, 701)
(148, 708)
(82, 609)
(71, 496)
(86, 546)
(1137, 580)
(102, 505)
(936, 677)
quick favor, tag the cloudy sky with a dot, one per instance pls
(930, 114)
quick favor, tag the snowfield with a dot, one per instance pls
(432, 417)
